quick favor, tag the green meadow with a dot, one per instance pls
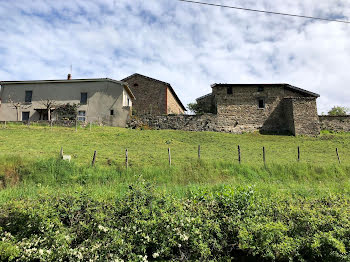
(30, 155)
(216, 208)
(149, 147)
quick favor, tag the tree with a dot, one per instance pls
(195, 108)
(67, 111)
(338, 111)
(49, 104)
(18, 106)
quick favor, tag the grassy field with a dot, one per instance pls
(207, 209)
(149, 147)
(29, 155)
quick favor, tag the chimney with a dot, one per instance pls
(69, 77)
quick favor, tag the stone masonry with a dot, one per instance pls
(335, 123)
(270, 108)
(153, 97)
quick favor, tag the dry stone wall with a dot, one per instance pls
(205, 122)
(335, 123)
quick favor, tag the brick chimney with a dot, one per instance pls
(69, 77)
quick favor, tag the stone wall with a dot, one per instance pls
(335, 123)
(153, 96)
(173, 106)
(244, 104)
(238, 110)
(293, 115)
(150, 95)
(205, 122)
(305, 116)
(207, 103)
(288, 115)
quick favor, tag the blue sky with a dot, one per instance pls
(187, 45)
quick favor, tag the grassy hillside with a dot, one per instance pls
(29, 155)
(212, 209)
(149, 147)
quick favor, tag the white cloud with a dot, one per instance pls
(187, 45)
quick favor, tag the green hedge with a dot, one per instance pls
(145, 224)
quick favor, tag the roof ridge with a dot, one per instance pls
(151, 78)
(297, 89)
(70, 81)
(154, 79)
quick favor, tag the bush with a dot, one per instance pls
(338, 111)
(145, 224)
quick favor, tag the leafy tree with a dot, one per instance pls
(338, 111)
(67, 111)
(195, 108)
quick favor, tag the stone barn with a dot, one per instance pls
(269, 108)
(153, 97)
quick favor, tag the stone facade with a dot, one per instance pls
(207, 103)
(304, 120)
(271, 108)
(173, 105)
(335, 123)
(153, 96)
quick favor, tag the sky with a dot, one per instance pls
(189, 46)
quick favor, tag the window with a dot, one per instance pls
(229, 90)
(83, 98)
(136, 84)
(112, 112)
(261, 103)
(81, 116)
(28, 96)
(25, 116)
(126, 99)
(260, 89)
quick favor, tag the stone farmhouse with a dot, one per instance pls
(102, 100)
(275, 108)
(239, 108)
(153, 97)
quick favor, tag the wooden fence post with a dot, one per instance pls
(126, 159)
(169, 156)
(61, 152)
(298, 154)
(239, 154)
(199, 151)
(336, 150)
(264, 158)
(93, 159)
(90, 125)
(76, 125)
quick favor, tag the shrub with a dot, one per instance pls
(146, 224)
